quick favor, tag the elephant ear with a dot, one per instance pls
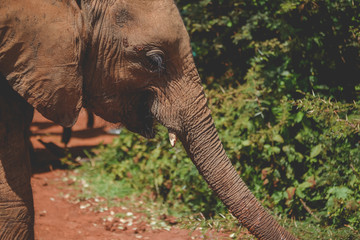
(40, 56)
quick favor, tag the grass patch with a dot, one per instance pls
(98, 183)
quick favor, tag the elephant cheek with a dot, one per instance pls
(167, 113)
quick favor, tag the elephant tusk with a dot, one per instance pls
(172, 138)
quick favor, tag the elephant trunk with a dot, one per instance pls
(203, 145)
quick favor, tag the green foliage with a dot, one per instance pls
(290, 44)
(295, 150)
(283, 80)
(309, 229)
(301, 157)
(154, 166)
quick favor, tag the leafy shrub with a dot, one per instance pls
(295, 155)
(298, 152)
(154, 166)
(305, 161)
(290, 44)
(303, 150)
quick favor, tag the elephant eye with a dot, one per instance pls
(155, 59)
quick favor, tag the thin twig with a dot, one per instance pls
(354, 170)
(348, 226)
(309, 210)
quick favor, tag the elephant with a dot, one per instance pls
(127, 61)
(67, 131)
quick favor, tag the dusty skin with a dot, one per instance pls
(59, 216)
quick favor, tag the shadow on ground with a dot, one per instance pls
(48, 150)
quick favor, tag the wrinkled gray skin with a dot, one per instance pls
(126, 61)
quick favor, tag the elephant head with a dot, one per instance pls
(128, 62)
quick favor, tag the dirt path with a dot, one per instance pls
(58, 216)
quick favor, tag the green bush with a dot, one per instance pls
(291, 44)
(300, 157)
(303, 150)
(283, 85)
(155, 166)
(305, 161)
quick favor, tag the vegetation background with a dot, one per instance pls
(283, 83)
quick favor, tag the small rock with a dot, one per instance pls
(42, 213)
(83, 206)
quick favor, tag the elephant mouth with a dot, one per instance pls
(145, 114)
(142, 121)
(147, 129)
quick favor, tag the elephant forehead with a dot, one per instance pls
(151, 22)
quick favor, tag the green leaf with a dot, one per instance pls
(341, 192)
(246, 143)
(315, 151)
(299, 116)
(301, 188)
(275, 150)
(304, 185)
(278, 138)
(278, 196)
